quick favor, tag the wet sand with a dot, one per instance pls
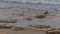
(7, 31)
(10, 14)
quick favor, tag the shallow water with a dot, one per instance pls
(49, 20)
(31, 10)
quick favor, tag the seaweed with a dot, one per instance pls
(41, 26)
(46, 12)
(29, 19)
(40, 16)
(5, 27)
(18, 28)
(21, 14)
(8, 21)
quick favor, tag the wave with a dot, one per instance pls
(30, 3)
(33, 1)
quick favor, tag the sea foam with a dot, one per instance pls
(34, 1)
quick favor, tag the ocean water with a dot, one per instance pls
(34, 1)
(36, 6)
(33, 4)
